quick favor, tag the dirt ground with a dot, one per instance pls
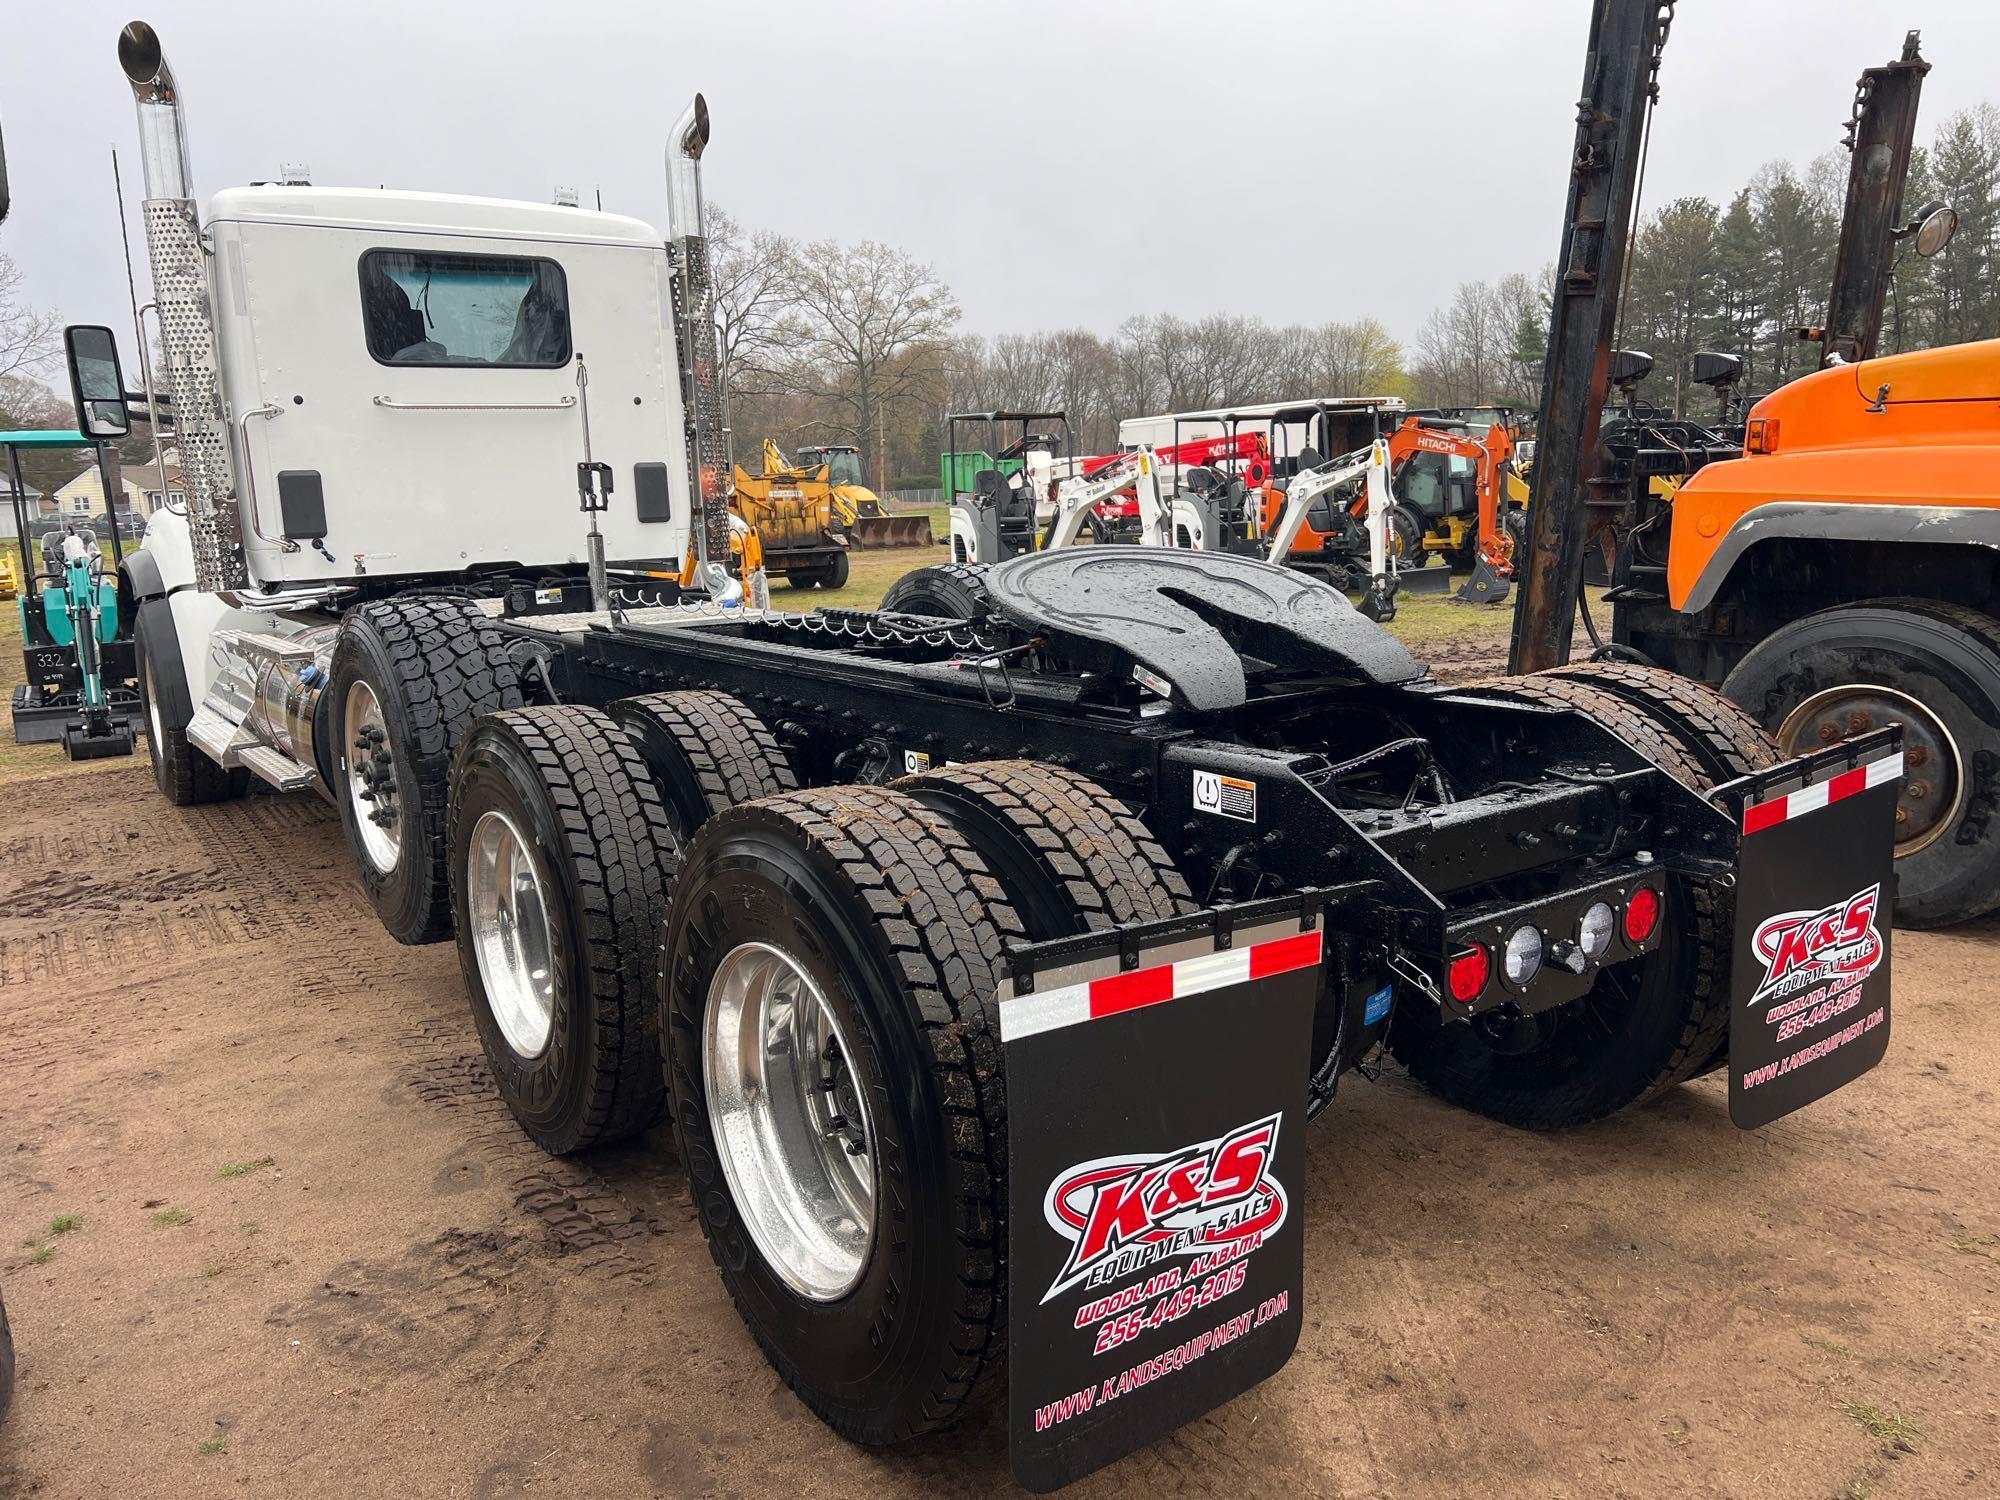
(307, 1251)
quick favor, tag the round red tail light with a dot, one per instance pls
(1470, 969)
(1642, 914)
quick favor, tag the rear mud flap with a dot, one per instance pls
(1156, 1081)
(1815, 882)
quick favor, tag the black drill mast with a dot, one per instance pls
(1880, 133)
(1620, 81)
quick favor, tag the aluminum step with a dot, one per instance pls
(274, 648)
(217, 738)
(276, 767)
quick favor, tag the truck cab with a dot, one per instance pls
(401, 375)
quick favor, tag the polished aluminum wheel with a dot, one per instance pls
(790, 1122)
(371, 779)
(1934, 782)
(509, 922)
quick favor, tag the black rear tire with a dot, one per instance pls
(707, 752)
(185, 776)
(1649, 1023)
(570, 780)
(1714, 733)
(1719, 734)
(1945, 660)
(948, 591)
(834, 574)
(1071, 856)
(434, 663)
(899, 924)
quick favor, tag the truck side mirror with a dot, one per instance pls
(96, 382)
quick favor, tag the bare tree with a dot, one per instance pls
(753, 273)
(30, 342)
(858, 314)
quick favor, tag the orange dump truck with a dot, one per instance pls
(1844, 572)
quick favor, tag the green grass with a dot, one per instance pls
(43, 1255)
(171, 1218)
(245, 1168)
(65, 1223)
(1886, 1425)
(209, 1447)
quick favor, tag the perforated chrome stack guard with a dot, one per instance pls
(187, 334)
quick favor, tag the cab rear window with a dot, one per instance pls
(424, 307)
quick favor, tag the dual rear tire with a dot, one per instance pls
(885, 910)
(808, 980)
(567, 827)
(1652, 1022)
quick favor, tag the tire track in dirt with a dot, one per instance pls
(465, 1306)
(581, 1213)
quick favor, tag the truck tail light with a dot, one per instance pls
(1761, 436)
(1642, 914)
(1469, 970)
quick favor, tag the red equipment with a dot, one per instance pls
(1251, 449)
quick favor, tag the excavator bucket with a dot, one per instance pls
(1487, 585)
(1423, 582)
(876, 532)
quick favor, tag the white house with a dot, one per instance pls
(143, 492)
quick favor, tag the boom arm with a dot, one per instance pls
(1076, 499)
(1306, 488)
(1246, 446)
(1489, 455)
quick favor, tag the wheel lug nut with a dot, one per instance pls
(1917, 755)
(1828, 733)
(1859, 722)
(1916, 791)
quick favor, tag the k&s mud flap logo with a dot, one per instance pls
(1800, 949)
(1123, 1214)
(1813, 949)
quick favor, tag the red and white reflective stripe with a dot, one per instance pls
(1761, 815)
(1047, 1010)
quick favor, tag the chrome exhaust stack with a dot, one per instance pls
(187, 330)
(701, 356)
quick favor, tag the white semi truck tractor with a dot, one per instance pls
(985, 958)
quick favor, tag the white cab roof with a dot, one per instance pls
(391, 209)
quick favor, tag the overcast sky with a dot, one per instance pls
(1059, 163)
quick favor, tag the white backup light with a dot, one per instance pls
(1593, 934)
(1523, 959)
